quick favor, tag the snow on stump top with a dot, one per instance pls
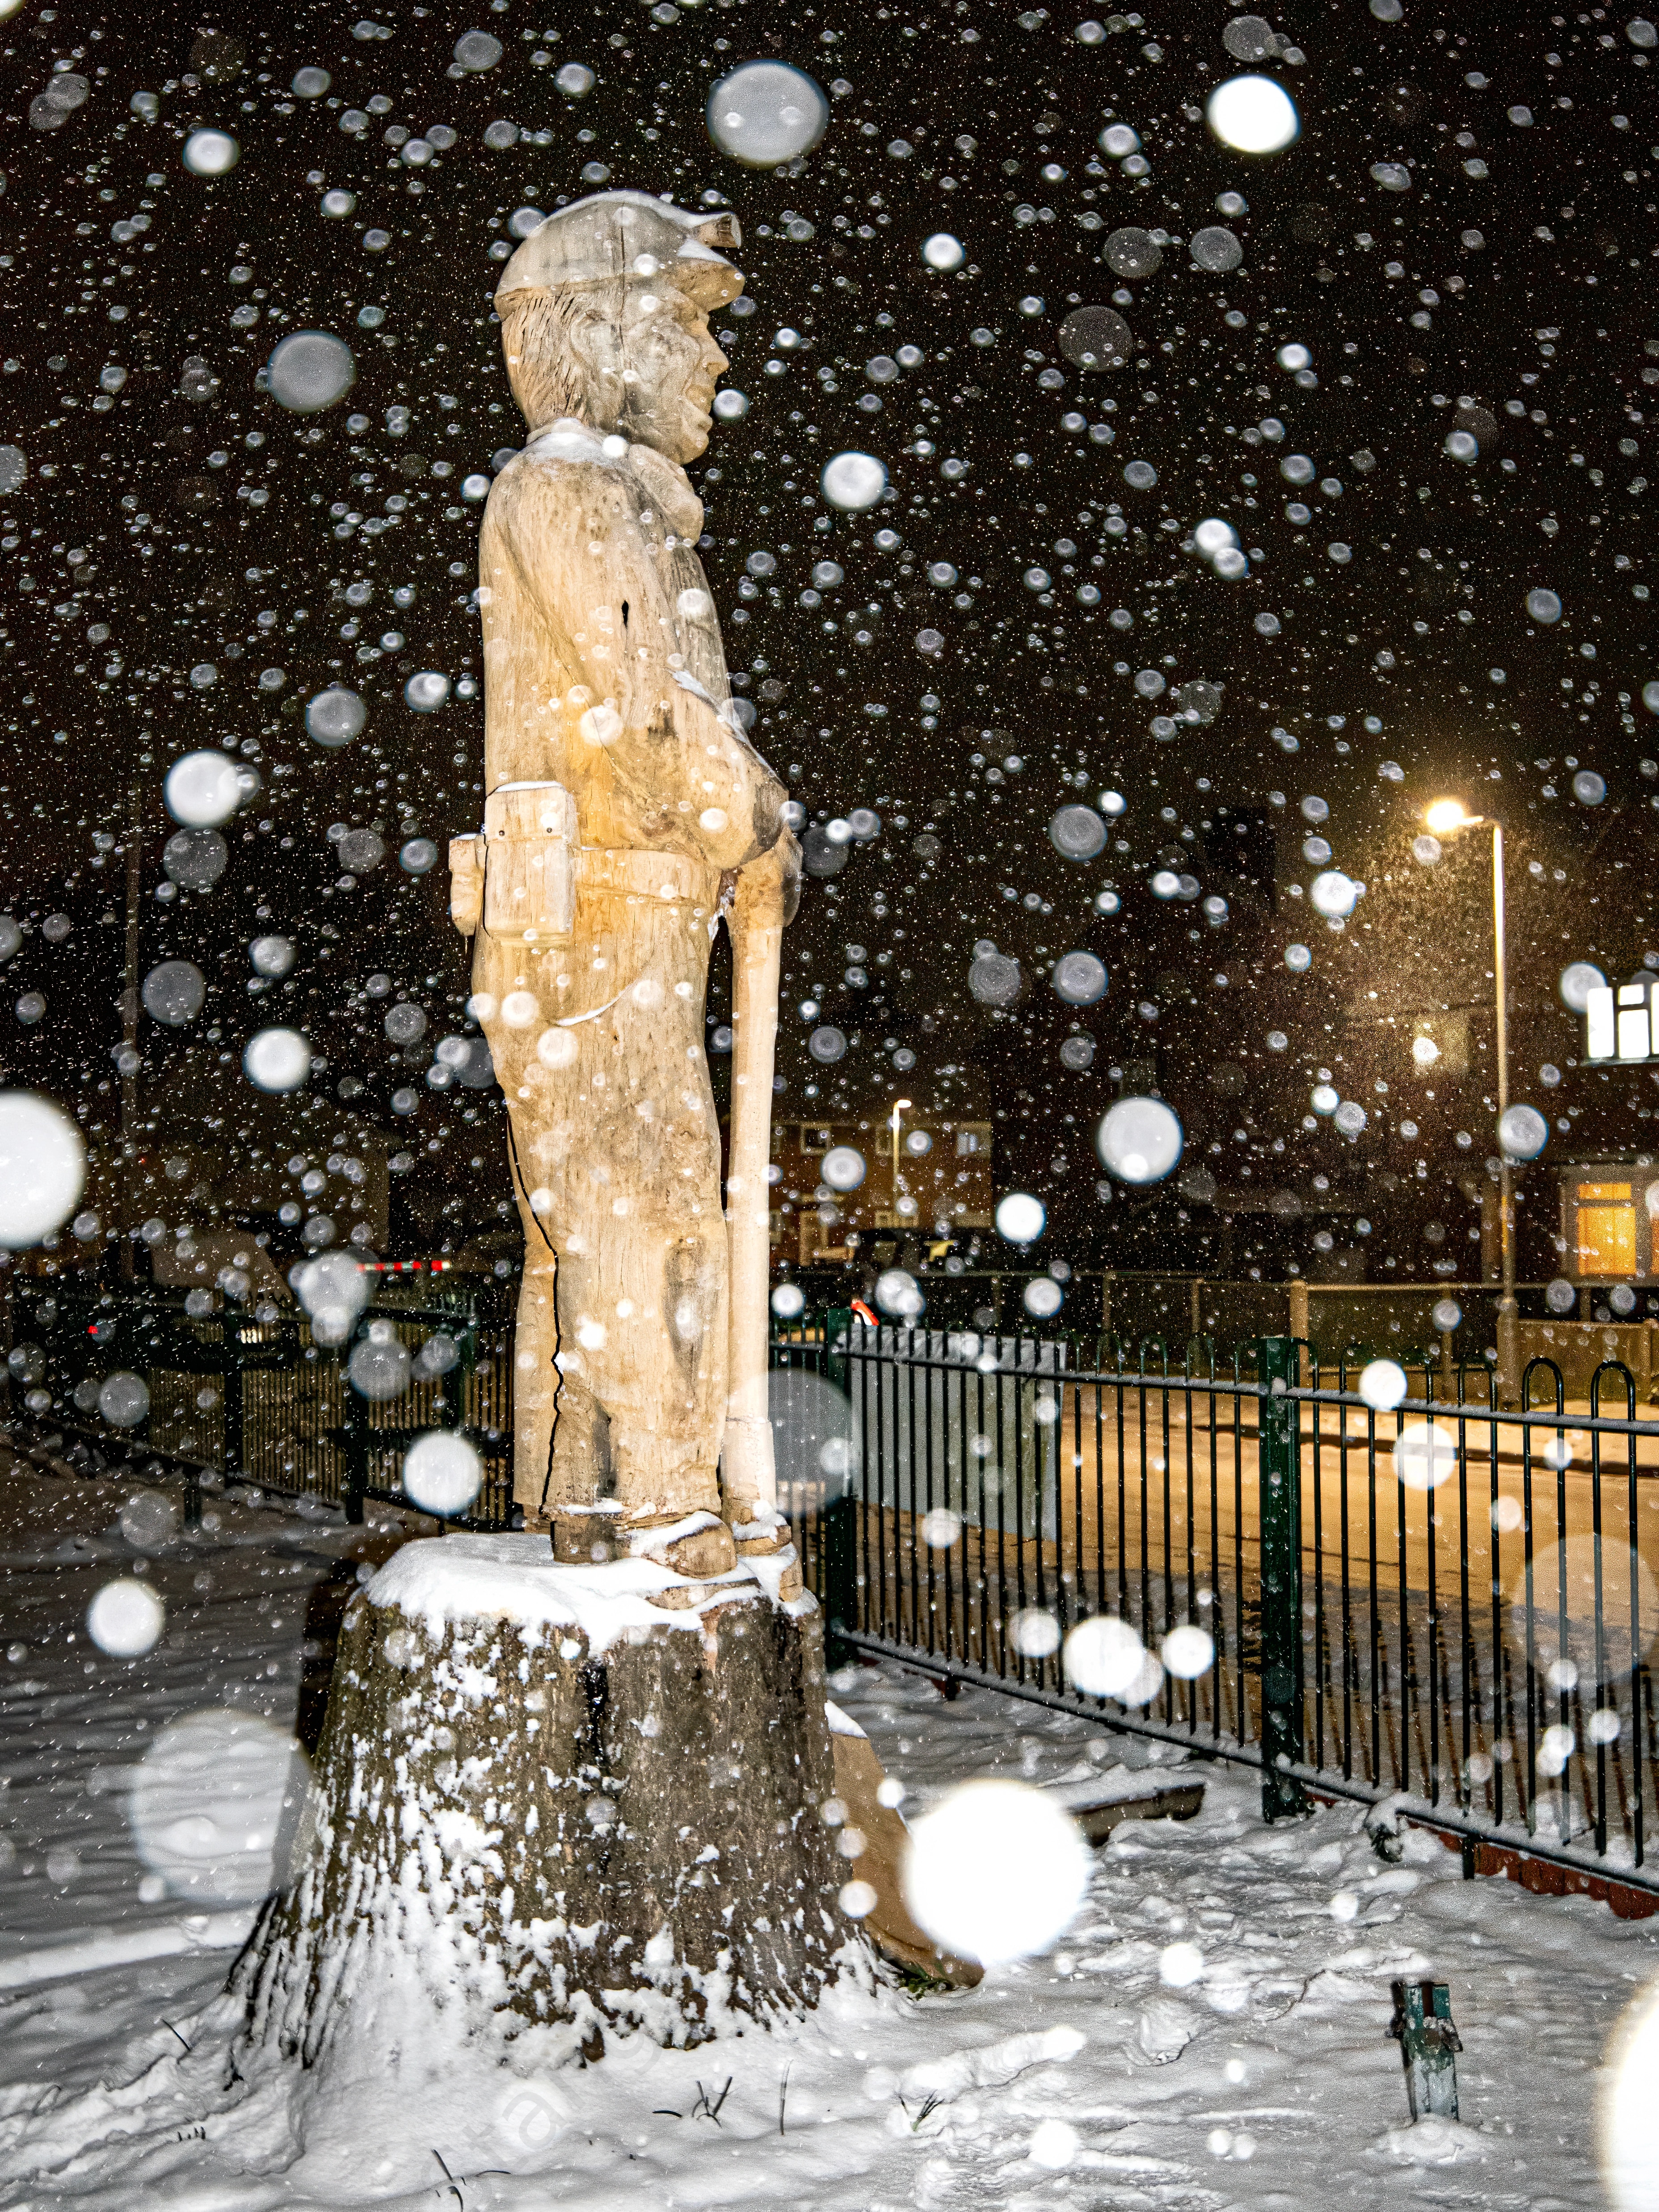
(513, 1578)
(538, 1797)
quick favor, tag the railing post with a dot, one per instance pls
(456, 1391)
(230, 1337)
(193, 1480)
(1279, 1513)
(448, 1394)
(353, 1420)
(837, 1516)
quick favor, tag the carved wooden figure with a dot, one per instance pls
(640, 1715)
(626, 812)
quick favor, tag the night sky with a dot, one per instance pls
(1461, 239)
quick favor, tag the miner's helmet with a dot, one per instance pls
(631, 237)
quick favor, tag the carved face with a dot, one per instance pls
(666, 365)
(635, 357)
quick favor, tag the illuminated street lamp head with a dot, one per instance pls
(1447, 815)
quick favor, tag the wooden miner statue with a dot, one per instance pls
(626, 812)
(586, 1789)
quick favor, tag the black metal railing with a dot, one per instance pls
(1402, 1320)
(1438, 1601)
(253, 1396)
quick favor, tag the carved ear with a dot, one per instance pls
(720, 230)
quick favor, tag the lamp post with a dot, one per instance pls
(899, 1105)
(1444, 819)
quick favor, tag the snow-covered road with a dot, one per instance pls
(1083, 2078)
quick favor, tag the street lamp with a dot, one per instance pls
(899, 1106)
(1447, 815)
(1444, 819)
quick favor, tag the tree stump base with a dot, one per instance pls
(543, 1795)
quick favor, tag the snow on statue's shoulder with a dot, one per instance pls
(442, 1579)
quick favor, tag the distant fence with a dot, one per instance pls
(1438, 1601)
(1396, 1320)
(254, 1396)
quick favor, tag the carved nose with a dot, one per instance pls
(720, 231)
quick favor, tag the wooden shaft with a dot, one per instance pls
(748, 1474)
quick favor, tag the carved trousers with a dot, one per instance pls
(620, 1385)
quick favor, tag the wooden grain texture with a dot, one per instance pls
(510, 1827)
(531, 845)
(605, 675)
(764, 901)
(884, 1842)
(599, 1047)
(506, 1826)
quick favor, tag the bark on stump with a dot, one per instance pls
(515, 1816)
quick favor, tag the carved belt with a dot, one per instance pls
(520, 875)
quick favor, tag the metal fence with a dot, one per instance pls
(1436, 1599)
(1427, 1598)
(254, 1396)
(1439, 1319)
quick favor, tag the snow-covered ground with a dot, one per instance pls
(1082, 2078)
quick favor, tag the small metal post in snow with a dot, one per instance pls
(1429, 2044)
